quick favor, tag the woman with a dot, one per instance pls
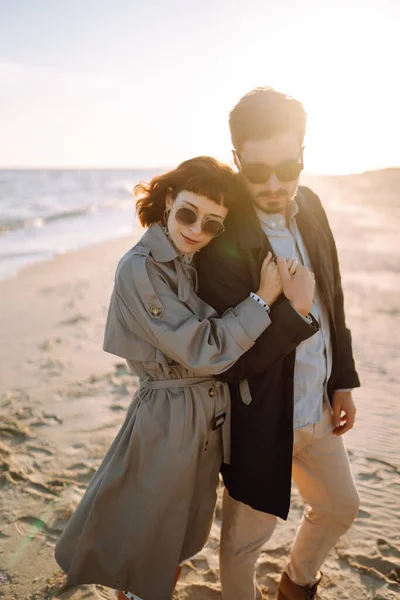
(150, 505)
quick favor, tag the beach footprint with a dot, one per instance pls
(11, 428)
(382, 464)
(45, 419)
(33, 527)
(198, 570)
(104, 593)
(51, 522)
(56, 588)
(78, 474)
(375, 566)
(52, 366)
(78, 318)
(200, 563)
(387, 549)
(39, 451)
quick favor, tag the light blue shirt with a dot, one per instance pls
(313, 364)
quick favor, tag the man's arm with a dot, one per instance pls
(347, 377)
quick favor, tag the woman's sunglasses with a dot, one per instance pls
(286, 171)
(187, 216)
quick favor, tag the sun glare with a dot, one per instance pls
(319, 53)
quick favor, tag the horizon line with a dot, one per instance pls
(167, 168)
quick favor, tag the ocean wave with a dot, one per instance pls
(45, 213)
(12, 224)
(23, 254)
(36, 198)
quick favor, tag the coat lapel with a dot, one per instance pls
(253, 241)
(317, 245)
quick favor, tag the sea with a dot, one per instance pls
(48, 212)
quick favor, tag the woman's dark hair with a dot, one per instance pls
(264, 112)
(202, 175)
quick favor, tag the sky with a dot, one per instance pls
(127, 83)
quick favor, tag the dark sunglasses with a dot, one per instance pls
(187, 216)
(286, 171)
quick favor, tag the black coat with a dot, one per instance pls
(262, 431)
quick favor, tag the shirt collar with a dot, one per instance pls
(293, 209)
(249, 231)
(277, 221)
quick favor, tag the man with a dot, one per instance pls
(293, 402)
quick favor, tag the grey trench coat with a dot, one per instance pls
(150, 505)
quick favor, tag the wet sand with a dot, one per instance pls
(63, 399)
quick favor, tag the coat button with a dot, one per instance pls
(155, 310)
(211, 392)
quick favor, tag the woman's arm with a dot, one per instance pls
(143, 299)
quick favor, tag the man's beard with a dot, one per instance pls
(274, 203)
(275, 206)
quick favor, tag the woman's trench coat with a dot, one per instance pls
(150, 505)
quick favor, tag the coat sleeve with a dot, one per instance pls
(281, 338)
(144, 300)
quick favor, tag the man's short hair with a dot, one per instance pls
(263, 113)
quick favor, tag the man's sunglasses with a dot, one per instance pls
(187, 216)
(286, 171)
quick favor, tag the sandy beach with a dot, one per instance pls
(62, 400)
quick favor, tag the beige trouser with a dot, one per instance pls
(322, 474)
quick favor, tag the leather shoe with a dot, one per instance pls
(288, 590)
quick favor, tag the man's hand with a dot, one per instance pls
(298, 288)
(344, 412)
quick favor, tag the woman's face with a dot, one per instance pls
(191, 238)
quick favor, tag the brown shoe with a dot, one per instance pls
(288, 590)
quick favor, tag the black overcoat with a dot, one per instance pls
(262, 409)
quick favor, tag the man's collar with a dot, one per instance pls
(293, 208)
(248, 225)
(161, 248)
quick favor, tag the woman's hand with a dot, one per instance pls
(270, 281)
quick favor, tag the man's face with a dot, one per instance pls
(272, 195)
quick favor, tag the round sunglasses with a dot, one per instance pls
(286, 171)
(187, 216)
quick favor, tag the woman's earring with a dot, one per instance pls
(166, 216)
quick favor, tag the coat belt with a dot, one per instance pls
(221, 402)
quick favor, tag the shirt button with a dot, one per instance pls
(155, 311)
(211, 392)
